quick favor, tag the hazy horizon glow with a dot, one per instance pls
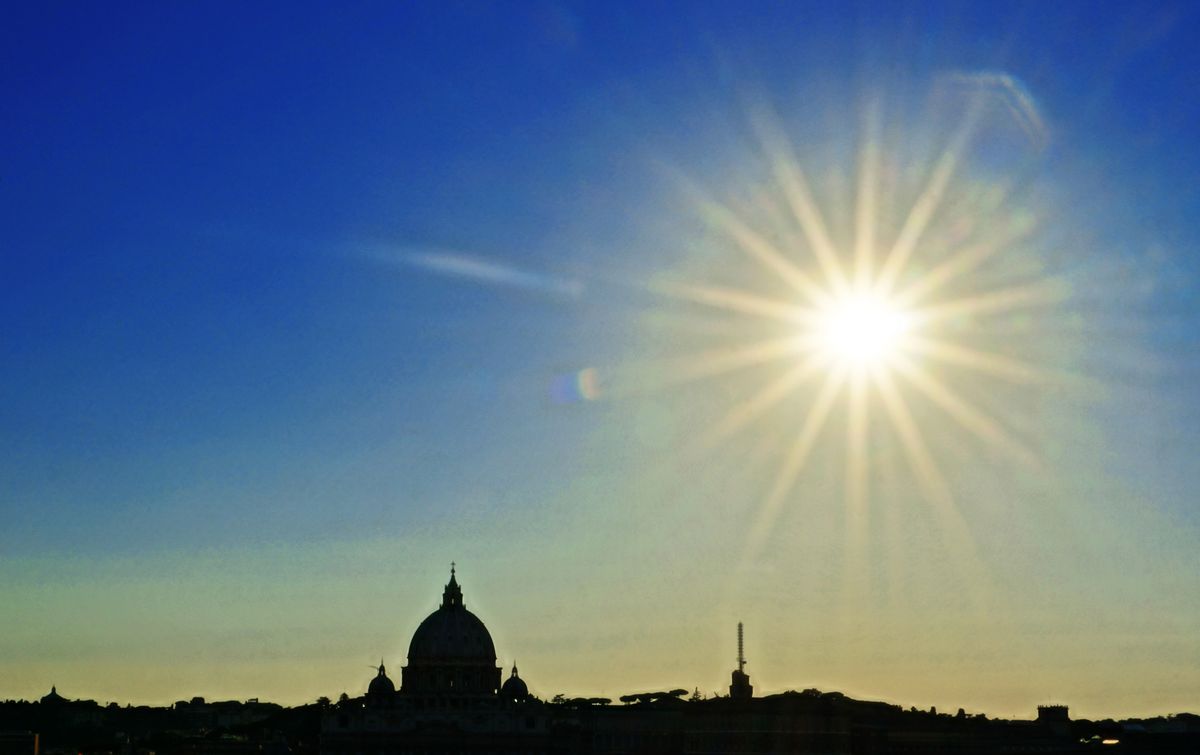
(876, 331)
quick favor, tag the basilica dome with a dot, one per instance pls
(451, 633)
(451, 653)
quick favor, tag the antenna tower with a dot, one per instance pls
(741, 653)
(741, 689)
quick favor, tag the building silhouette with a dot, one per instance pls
(450, 697)
(451, 700)
(451, 654)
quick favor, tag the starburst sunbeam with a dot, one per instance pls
(796, 192)
(1046, 292)
(963, 262)
(760, 249)
(866, 210)
(973, 419)
(715, 362)
(956, 536)
(731, 300)
(762, 401)
(995, 365)
(794, 461)
(927, 203)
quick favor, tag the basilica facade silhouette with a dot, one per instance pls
(450, 699)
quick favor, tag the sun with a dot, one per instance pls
(875, 321)
(863, 330)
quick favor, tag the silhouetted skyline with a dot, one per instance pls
(450, 698)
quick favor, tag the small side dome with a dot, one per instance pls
(514, 687)
(381, 686)
(53, 698)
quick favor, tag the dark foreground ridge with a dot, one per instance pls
(792, 722)
(451, 700)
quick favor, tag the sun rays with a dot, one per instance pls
(873, 329)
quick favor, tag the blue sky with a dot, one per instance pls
(226, 357)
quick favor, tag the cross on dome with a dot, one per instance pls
(452, 595)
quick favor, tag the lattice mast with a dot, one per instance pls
(740, 687)
(741, 651)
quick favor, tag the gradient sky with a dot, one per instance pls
(295, 301)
